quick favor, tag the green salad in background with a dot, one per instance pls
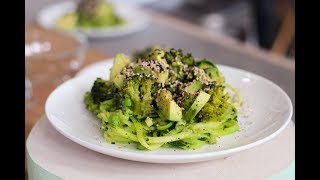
(164, 98)
(91, 14)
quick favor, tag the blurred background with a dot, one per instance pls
(266, 24)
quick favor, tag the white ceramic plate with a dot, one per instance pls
(136, 21)
(266, 111)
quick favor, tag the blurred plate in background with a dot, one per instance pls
(136, 21)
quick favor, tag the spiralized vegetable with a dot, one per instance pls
(131, 114)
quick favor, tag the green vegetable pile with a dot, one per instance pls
(163, 98)
(91, 14)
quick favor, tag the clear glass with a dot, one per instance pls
(51, 57)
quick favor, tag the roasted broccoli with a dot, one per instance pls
(219, 107)
(144, 54)
(103, 90)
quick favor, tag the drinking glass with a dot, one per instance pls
(51, 57)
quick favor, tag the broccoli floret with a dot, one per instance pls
(219, 107)
(103, 90)
(158, 55)
(180, 63)
(103, 97)
(171, 56)
(188, 59)
(140, 96)
(90, 105)
(175, 56)
(132, 89)
(127, 101)
(144, 54)
(109, 105)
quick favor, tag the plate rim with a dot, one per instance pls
(165, 158)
